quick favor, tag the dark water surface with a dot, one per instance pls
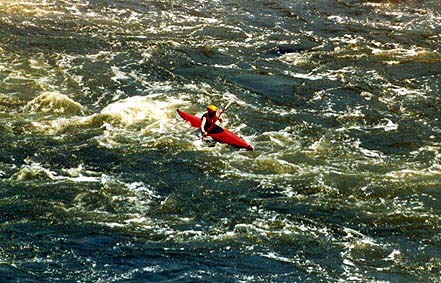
(100, 181)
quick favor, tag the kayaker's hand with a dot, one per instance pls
(204, 133)
(220, 119)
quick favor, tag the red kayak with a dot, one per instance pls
(219, 134)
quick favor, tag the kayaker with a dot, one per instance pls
(208, 119)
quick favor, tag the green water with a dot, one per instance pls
(101, 181)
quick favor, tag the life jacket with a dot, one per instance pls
(209, 121)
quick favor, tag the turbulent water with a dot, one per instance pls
(101, 181)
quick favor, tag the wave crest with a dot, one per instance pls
(55, 103)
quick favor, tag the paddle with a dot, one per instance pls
(217, 118)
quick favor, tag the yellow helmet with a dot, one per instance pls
(212, 108)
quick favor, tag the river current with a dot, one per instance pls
(101, 181)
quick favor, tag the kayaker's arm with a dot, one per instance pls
(203, 121)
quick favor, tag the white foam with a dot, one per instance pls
(393, 256)
(119, 75)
